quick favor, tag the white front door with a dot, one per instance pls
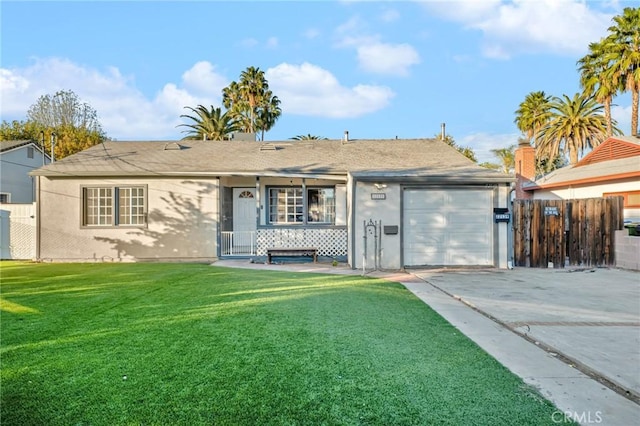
(244, 220)
(244, 209)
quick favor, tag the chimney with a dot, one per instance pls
(443, 133)
(346, 136)
(525, 165)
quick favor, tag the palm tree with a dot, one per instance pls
(210, 124)
(623, 52)
(532, 115)
(268, 114)
(575, 124)
(594, 81)
(252, 104)
(506, 157)
(252, 87)
(307, 137)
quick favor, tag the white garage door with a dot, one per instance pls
(448, 227)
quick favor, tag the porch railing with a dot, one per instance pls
(238, 243)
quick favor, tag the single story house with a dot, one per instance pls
(387, 204)
(17, 159)
(610, 169)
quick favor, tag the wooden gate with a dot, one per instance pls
(579, 231)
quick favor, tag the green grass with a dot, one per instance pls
(176, 344)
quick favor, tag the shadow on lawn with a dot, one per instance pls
(180, 228)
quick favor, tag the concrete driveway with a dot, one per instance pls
(590, 318)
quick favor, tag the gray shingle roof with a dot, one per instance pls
(7, 145)
(399, 157)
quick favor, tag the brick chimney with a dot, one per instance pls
(525, 159)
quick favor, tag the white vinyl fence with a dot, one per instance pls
(17, 231)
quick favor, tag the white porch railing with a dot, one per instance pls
(238, 243)
(331, 242)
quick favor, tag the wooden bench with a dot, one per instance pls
(292, 251)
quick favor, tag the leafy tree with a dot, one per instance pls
(74, 124)
(19, 130)
(209, 124)
(533, 114)
(575, 124)
(64, 109)
(464, 150)
(250, 102)
(623, 55)
(307, 137)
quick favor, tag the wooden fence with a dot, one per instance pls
(580, 232)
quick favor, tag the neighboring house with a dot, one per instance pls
(17, 159)
(388, 203)
(612, 168)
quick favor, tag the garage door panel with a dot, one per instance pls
(448, 227)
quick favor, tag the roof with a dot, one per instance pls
(613, 148)
(615, 159)
(393, 157)
(9, 145)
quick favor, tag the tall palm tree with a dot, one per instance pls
(623, 52)
(307, 137)
(594, 81)
(506, 157)
(575, 124)
(268, 114)
(209, 124)
(253, 86)
(251, 103)
(532, 115)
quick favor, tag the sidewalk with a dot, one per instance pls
(543, 325)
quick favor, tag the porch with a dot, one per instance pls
(330, 242)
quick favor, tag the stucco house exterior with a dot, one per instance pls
(17, 159)
(611, 169)
(388, 203)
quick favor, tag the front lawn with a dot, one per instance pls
(186, 344)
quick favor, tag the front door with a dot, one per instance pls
(244, 220)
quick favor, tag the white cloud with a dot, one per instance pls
(526, 26)
(307, 89)
(389, 59)
(373, 55)
(123, 111)
(203, 78)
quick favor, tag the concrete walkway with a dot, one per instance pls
(572, 334)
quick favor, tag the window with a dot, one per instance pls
(321, 204)
(30, 152)
(114, 206)
(631, 198)
(291, 205)
(5, 197)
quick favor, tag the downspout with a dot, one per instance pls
(351, 227)
(38, 232)
(510, 228)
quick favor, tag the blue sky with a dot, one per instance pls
(376, 69)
